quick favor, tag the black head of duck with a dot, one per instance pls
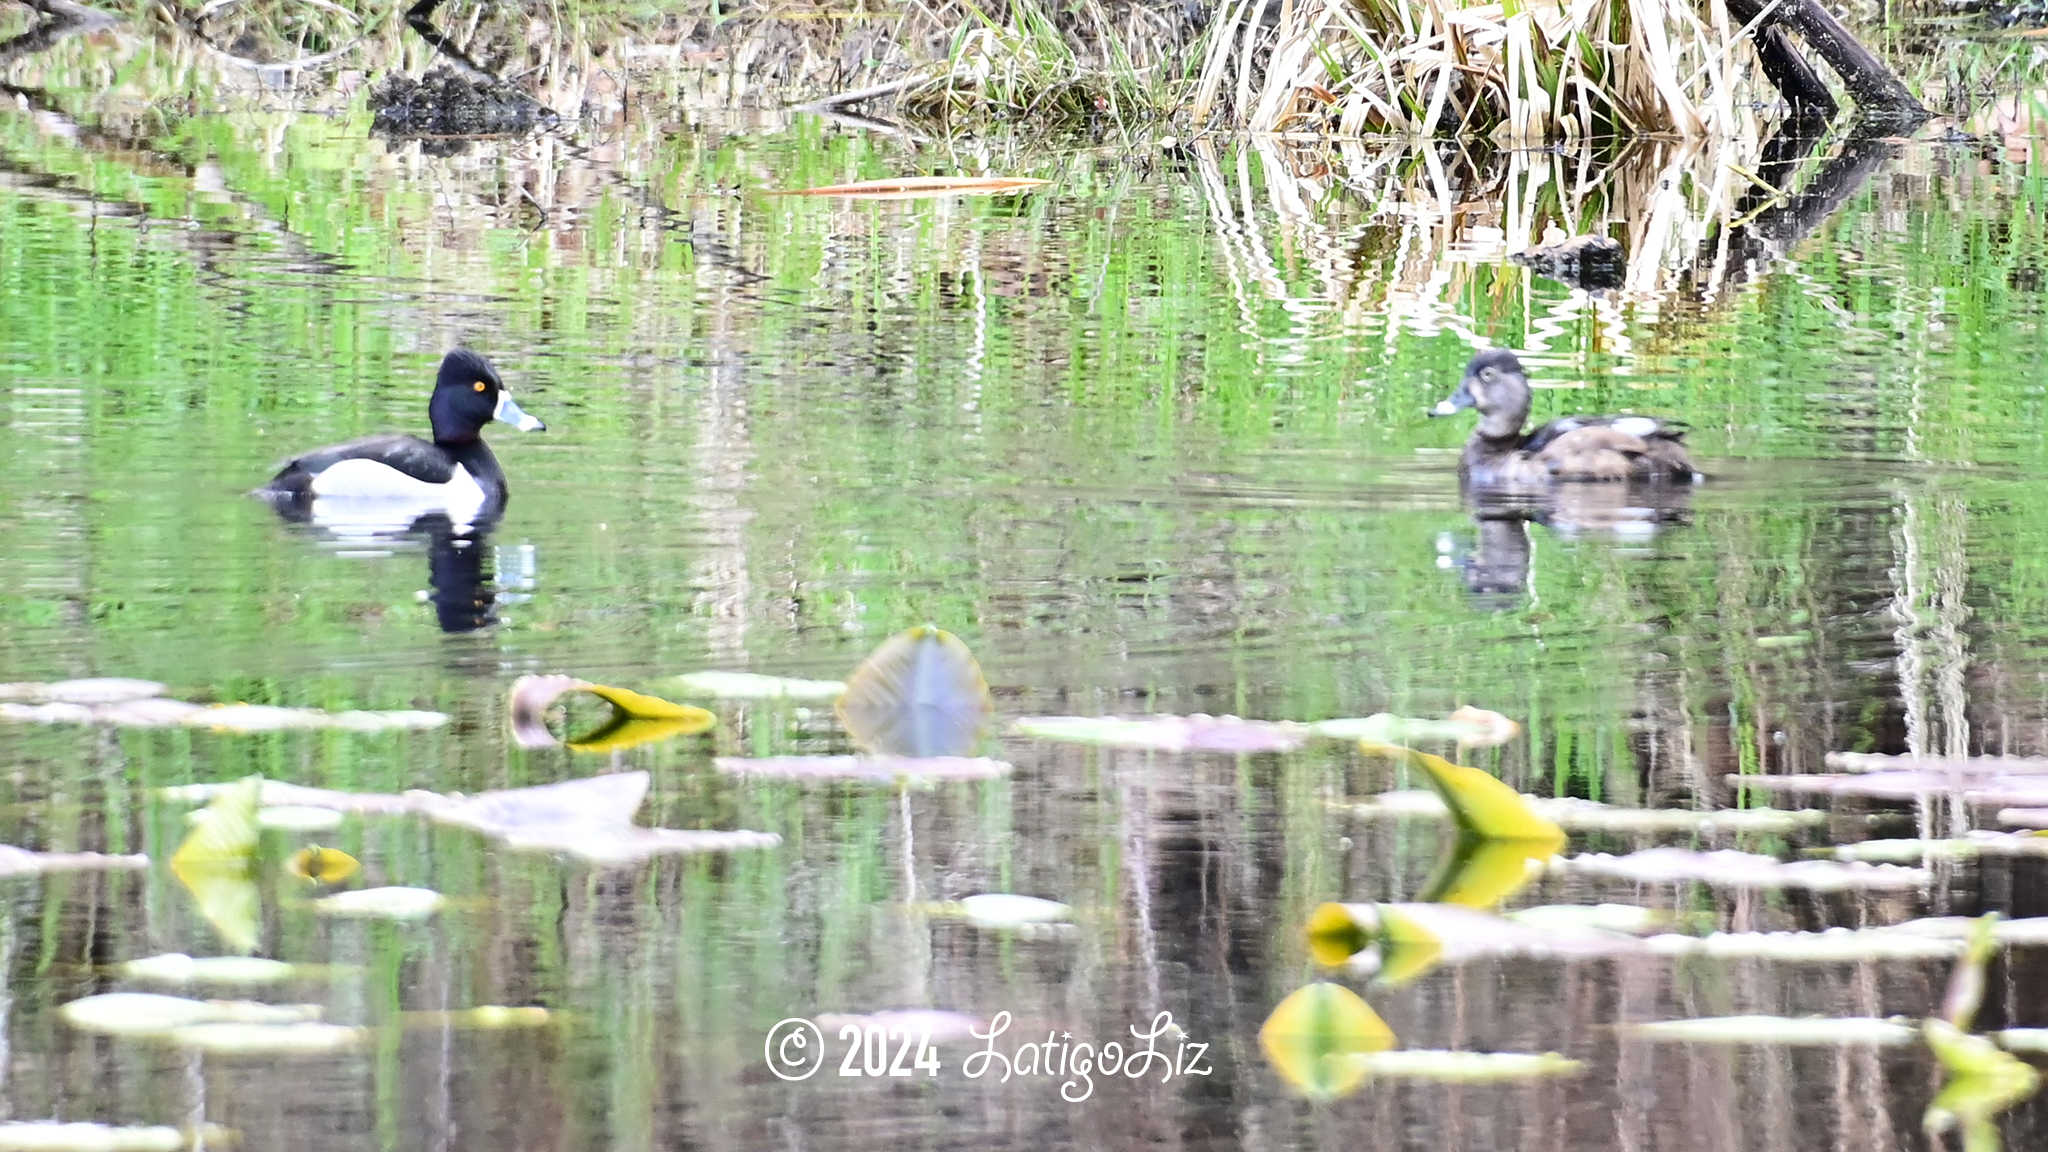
(387, 481)
(1570, 448)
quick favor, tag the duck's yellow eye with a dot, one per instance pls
(479, 385)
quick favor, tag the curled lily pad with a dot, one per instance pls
(322, 865)
(1314, 1037)
(920, 693)
(60, 1136)
(1628, 919)
(2005, 788)
(1002, 910)
(1743, 870)
(874, 769)
(271, 718)
(489, 1017)
(1787, 1031)
(149, 1014)
(229, 1038)
(1481, 804)
(754, 686)
(1467, 1067)
(178, 968)
(1401, 941)
(216, 862)
(1196, 733)
(395, 903)
(637, 717)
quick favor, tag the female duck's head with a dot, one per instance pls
(468, 395)
(1495, 384)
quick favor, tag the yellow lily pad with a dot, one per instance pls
(637, 717)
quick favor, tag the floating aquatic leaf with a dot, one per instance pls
(1401, 941)
(876, 769)
(1480, 873)
(298, 818)
(532, 696)
(1481, 804)
(1314, 1037)
(149, 1014)
(396, 903)
(1966, 980)
(322, 865)
(22, 862)
(1168, 733)
(227, 1038)
(98, 690)
(1791, 1031)
(178, 968)
(915, 187)
(1575, 815)
(1467, 1067)
(216, 864)
(2014, 789)
(1970, 765)
(2029, 930)
(1832, 946)
(1468, 726)
(488, 1016)
(270, 718)
(1625, 918)
(2023, 1039)
(754, 686)
(1983, 1081)
(940, 1027)
(591, 818)
(60, 1136)
(1002, 910)
(1742, 870)
(919, 694)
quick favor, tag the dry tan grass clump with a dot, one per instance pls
(1523, 70)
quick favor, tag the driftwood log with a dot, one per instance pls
(1879, 95)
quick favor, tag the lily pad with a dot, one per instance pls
(1784, 1031)
(60, 1136)
(754, 686)
(1468, 726)
(227, 1038)
(920, 693)
(2007, 789)
(873, 769)
(1743, 870)
(1002, 910)
(97, 690)
(1467, 1067)
(532, 696)
(490, 1017)
(1983, 1081)
(22, 862)
(1624, 918)
(1401, 941)
(1196, 733)
(1832, 946)
(1314, 1038)
(149, 1014)
(1482, 805)
(1575, 815)
(395, 903)
(178, 968)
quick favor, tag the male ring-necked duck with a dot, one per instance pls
(1568, 448)
(455, 473)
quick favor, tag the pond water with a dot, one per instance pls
(1149, 439)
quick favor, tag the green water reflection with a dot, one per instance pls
(1151, 440)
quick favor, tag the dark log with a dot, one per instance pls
(1784, 67)
(1879, 95)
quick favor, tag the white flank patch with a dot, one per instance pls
(1635, 426)
(367, 497)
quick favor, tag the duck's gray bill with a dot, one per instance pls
(510, 414)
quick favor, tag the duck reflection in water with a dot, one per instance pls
(460, 580)
(1496, 563)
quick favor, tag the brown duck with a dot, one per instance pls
(1576, 448)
